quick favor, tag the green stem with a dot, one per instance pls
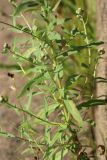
(56, 5)
(31, 114)
(26, 21)
(24, 58)
(25, 31)
(9, 135)
(60, 86)
(87, 41)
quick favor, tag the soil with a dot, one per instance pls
(8, 118)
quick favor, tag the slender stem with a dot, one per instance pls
(31, 114)
(25, 31)
(87, 41)
(22, 139)
(78, 48)
(20, 56)
(59, 83)
(26, 21)
(9, 135)
(56, 5)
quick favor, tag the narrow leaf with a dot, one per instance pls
(25, 6)
(36, 79)
(92, 103)
(72, 109)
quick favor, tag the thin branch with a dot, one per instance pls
(25, 31)
(31, 114)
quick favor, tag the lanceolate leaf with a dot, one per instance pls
(57, 156)
(101, 79)
(71, 79)
(56, 137)
(92, 103)
(79, 48)
(36, 80)
(51, 109)
(72, 109)
(25, 6)
(6, 134)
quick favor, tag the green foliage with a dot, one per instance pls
(25, 6)
(58, 62)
